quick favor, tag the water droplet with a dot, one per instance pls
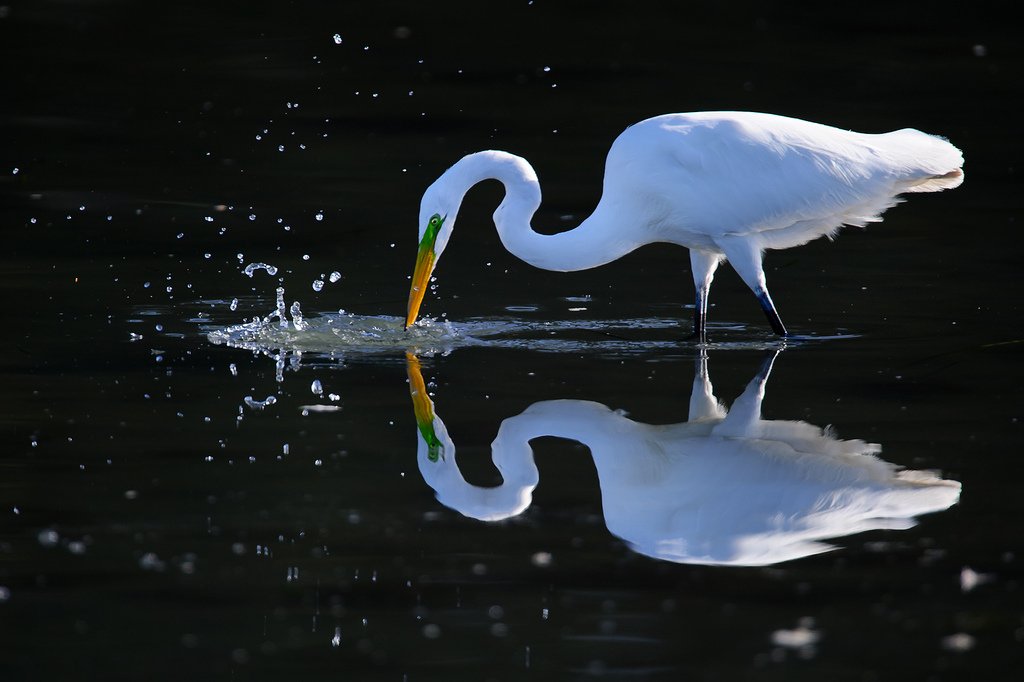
(234, 304)
(316, 387)
(259, 404)
(318, 284)
(297, 320)
(319, 216)
(335, 276)
(337, 39)
(253, 267)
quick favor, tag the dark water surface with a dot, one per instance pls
(185, 499)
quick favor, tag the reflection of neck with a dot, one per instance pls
(619, 446)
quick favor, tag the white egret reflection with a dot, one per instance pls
(725, 487)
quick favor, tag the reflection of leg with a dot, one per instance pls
(746, 410)
(702, 264)
(703, 404)
(745, 259)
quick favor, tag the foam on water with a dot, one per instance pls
(341, 333)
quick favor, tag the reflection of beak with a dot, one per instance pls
(420, 280)
(423, 408)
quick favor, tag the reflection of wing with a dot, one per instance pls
(719, 489)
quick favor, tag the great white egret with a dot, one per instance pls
(723, 184)
(726, 487)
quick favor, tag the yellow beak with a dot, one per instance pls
(420, 280)
(423, 408)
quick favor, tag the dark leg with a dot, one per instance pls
(770, 312)
(703, 265)
(745, 259)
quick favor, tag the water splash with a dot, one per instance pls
(297, 320)
(336, 335)
(250, 269)
(259, 405)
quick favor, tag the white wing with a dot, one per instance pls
(780, 180)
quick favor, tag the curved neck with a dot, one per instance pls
(597, 240)
(604, 432)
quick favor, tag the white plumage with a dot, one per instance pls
(723, 488)
(726, 185)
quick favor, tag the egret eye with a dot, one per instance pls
(433, 227)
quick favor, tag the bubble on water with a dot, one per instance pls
(541, 559)
(151, 562)
(800, 637)
(959, 643)
(253, 267)
(335, 276)
(48, 538)
(318, 284)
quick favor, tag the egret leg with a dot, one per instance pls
(746, 410)
(703, 265)
(703, 403)
(745, 259)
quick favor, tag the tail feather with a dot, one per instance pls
(937, 183)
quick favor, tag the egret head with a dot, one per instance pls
(435, 228)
